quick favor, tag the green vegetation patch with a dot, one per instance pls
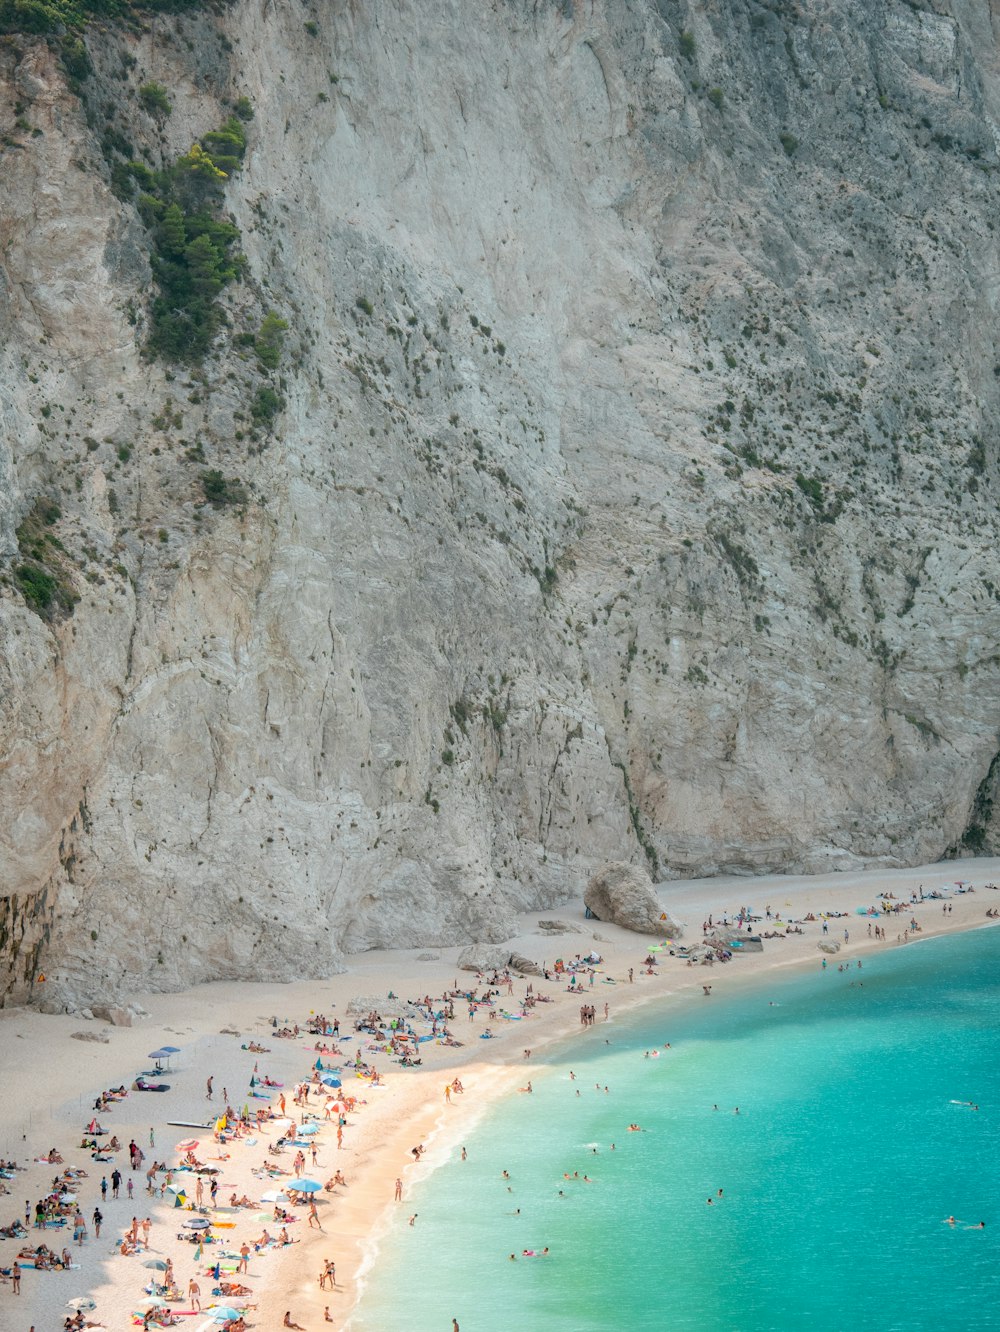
(42, 572)
(54, 16)
(192, 247)
(221, 490)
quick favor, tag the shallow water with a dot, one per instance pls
(847, 1153)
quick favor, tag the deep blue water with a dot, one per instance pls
(846, 1155)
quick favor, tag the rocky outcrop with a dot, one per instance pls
(558, 927)
(524, 965)
(623, 895)
(632, 492)
(828, 946)
(484, 957)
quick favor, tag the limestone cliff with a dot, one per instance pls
(632, 492)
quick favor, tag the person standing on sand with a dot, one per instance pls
(208, 1090)
(15, 1278)
(194, 1294)
(399, 1190)
(244, 1257)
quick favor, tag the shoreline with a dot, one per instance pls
(49, 1109)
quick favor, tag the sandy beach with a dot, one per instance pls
(51, 1080)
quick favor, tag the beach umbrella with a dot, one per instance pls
(171, 1049)
(307, 1130)
(157, 1264)
(330, 1080)
(188, 1145)
(223, 1314)
(303, 1186)
(273, 1196)
(197, 1223)
(82, 1302)
(152, 1302)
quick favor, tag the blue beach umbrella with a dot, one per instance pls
(307, 1130)
(303, 1186)
(223, 1314)
(330, 1080)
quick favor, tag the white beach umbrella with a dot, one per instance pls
(81, 1302)
(272, 1196)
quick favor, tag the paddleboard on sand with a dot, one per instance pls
(187, 1123)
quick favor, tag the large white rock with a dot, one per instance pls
(623, 895)
(484, 957)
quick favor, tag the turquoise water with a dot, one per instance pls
(846, 1155)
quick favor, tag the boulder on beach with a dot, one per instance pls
(558, 927)
(118, 1017)
(623, 895)
(828, 946)
(524, 965)
(742, 943)
(484, 957)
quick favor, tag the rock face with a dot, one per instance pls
(633, 496)
(623, 895)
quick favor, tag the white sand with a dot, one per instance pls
(50, 1082)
